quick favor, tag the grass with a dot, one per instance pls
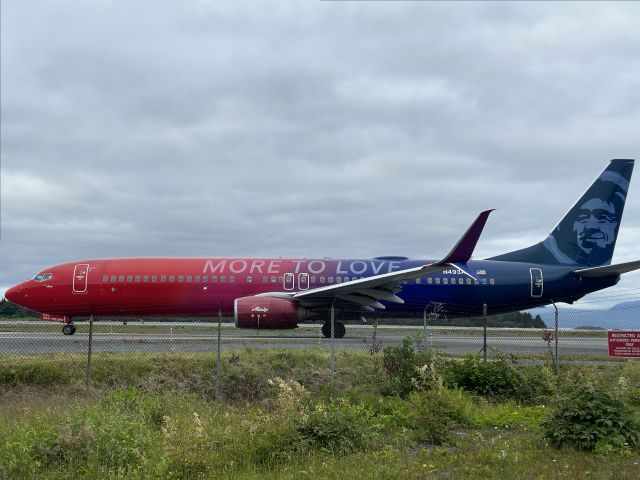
(154, 416)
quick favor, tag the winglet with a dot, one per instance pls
(461, 253)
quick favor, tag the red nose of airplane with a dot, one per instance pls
(13, 293)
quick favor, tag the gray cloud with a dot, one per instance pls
(317, 128)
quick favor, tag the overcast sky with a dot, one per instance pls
(291, 128)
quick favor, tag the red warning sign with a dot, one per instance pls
(624, 344)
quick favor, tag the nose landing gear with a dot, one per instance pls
(69, 329)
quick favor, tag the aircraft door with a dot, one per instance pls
(303, 281)
(80, 274)
(537, 282)
(288, 281)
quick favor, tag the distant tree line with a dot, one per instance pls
(505, 320)
(11, 310)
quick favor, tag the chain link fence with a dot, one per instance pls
(581, 336)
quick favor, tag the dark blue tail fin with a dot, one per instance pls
(587, 233)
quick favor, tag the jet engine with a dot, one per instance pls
(267, 312)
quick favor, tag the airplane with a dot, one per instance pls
(277, 293)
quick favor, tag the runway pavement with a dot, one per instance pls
(195, 338)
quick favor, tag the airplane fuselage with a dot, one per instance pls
(205, 286)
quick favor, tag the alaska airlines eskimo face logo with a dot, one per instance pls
(587, 234)
(596, 225)
(260, 309)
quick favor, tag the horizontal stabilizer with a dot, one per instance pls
(463, 250)
(608, 270)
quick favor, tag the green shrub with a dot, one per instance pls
(436, 412)
(400, 363)
(337, 427)
(622, 380)
(499, 378)
(592, 418)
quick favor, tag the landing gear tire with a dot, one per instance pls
(69, 329)
(338, 329)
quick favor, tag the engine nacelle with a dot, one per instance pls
(267, 312)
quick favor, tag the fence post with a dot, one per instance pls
(331, 371)
(89, 350)
(557, 359)
(424, 317)
(484, 344)
(218, 355)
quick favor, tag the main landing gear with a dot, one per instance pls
(338, 329)
(69, 329)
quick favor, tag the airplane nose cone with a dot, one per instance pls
(12, 293)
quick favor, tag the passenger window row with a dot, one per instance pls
(170, 279)
(454, 281)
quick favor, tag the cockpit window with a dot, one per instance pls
(43, 277)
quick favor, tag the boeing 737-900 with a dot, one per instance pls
(276, 293)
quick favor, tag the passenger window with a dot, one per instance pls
(163, 278)
(137, 278)
(145, 279)
(197, 278)
(484, 281)
(445, 280)
(429, 280)
(232, 279)
(129, 278)
(121, 278)
(492, 281)
(330, 279)
(273, 279)
(265, 279)
(453, 281)
(180, 278)
(313, 279)
(223, 278)
(468, 281)
(338, 279)
(172, 278)
(189, 279)
(249, 279)
(475, 282)
(154, 278)
(418, 281)
(105, 278)
(437, 280)
(322, 279)
(214, 278)
(205, 279)
(113, 278)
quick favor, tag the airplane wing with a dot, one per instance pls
(608, 270)
(368, 292)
